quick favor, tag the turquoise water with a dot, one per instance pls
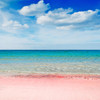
(49, 61)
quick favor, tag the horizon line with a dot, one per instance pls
(47, 49)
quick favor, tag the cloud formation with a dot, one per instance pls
(9, 25)
(60, 18)
(13, 25)
(49, 28)
(34, 9)
(63, 19)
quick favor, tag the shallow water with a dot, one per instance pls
(47, 61)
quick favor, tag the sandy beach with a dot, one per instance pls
(50, 87)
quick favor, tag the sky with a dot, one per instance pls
(49, 24)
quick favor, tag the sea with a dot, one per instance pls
(27, 62)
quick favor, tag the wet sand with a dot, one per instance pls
(50, 87)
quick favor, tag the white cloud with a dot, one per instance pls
(34, 9)
(76, 17)
(53, 16)
(63, 19)
(65, 27)
(9, 25)
(13, 25)
(45, 34)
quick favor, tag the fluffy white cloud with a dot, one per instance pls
(65, 27)
(60, 18)
(53, 16)
(34, 9)
(9, 25)
(13, 25)
(63, 19)
(45, 34)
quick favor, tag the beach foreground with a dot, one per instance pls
(50, 87)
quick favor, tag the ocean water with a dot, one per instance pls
(19, 62)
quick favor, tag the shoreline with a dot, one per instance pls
(66, 76)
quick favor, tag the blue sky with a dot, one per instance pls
(50, 24)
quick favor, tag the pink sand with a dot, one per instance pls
(49, 88)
